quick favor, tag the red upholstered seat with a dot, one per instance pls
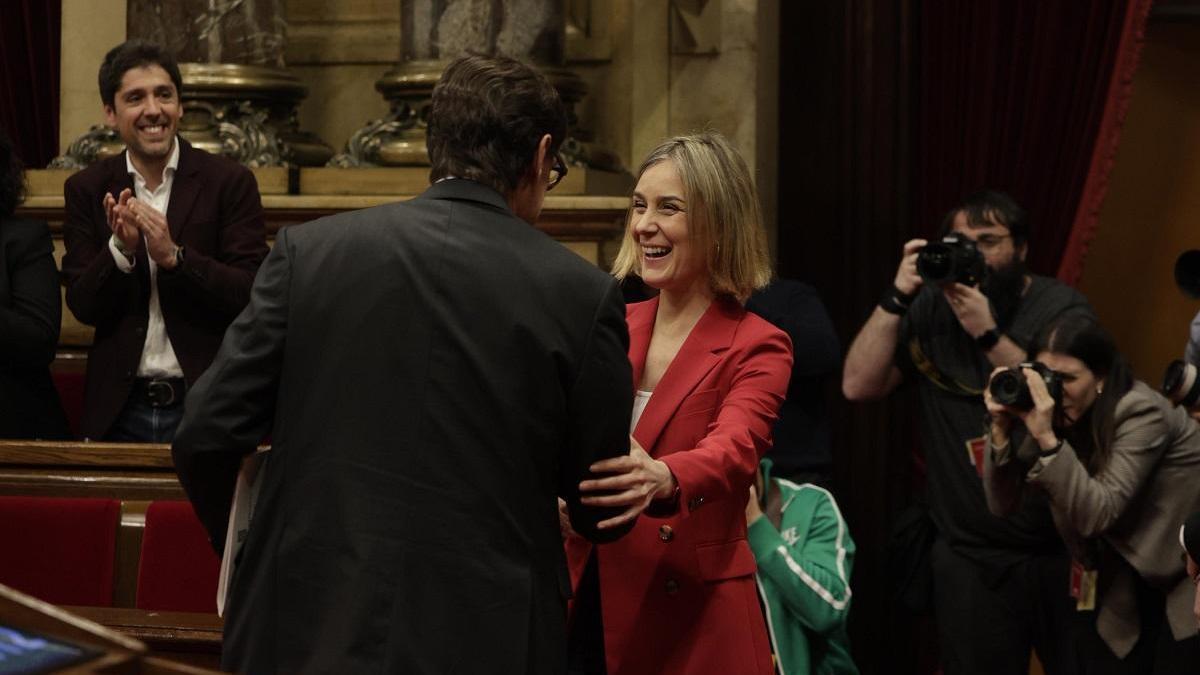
(178, 568)
(59, 550)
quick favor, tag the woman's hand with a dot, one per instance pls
(1039, 420)
(636, 480)
(753, 511)
(1002, 415)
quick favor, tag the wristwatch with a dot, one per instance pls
(988, 339)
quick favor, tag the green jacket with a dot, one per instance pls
(803, 577)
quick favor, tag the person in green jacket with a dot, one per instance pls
(804, 554)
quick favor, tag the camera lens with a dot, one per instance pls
(1180, 384)
(1007, 387)
(935, 263)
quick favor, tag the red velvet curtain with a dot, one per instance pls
(30, 38)
(1025, 96)
(1104, 151)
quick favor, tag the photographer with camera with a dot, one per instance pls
(1118, 464)
(1181, 383)
(998, 584)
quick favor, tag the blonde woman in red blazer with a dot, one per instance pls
(677, 594)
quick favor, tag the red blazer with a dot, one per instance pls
(678, 592)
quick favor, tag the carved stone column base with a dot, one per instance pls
(248, 113)
(399, 138)
(98, 142)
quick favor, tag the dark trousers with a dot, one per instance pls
(989, 629)
(141, 423)
(585, 635)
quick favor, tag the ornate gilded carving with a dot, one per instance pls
(399, 138)
(97, 143)
(247, 113)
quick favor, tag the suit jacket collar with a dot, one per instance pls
(699, 354)
(462, 188)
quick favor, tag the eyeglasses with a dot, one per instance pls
(557, 172)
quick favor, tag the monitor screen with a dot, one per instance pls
(24, 652)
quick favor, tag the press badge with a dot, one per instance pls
(1083, 587)
(975, 449)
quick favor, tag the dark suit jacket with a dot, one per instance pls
(433, 374)
(215, 213)
(30, 314)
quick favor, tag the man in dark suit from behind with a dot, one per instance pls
(433, 374)
(162, 241)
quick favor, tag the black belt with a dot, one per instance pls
(160, 393)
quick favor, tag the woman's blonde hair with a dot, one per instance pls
(723, 214)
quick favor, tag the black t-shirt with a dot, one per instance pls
(801, 435)
(952, 421)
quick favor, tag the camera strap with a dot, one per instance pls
(931, 372)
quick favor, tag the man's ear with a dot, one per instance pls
(541, 158)
(110, 116)
(1022, 250)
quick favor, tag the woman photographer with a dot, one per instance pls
(1120, 467)
(30, 310)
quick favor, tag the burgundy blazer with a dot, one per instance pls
(678, 593)
(215, 213)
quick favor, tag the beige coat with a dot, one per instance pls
(1137, 503)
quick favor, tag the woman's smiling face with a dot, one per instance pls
(670, 260)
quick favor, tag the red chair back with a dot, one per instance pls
(178, 568)
(59, 550)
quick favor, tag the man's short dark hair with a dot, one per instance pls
(985, 207)
(129, 55)
(487, 117)
(12, 178)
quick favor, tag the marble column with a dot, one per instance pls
(434, 32)
(238, 97)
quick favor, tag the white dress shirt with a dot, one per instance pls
(640, 399)
(158, 356)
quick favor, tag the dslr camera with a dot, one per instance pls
(953, 259)
(1181, 385)
(1009, 387)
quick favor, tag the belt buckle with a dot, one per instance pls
(160, 393)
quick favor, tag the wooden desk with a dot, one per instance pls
(184, 637)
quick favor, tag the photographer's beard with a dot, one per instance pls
(1004, 288)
